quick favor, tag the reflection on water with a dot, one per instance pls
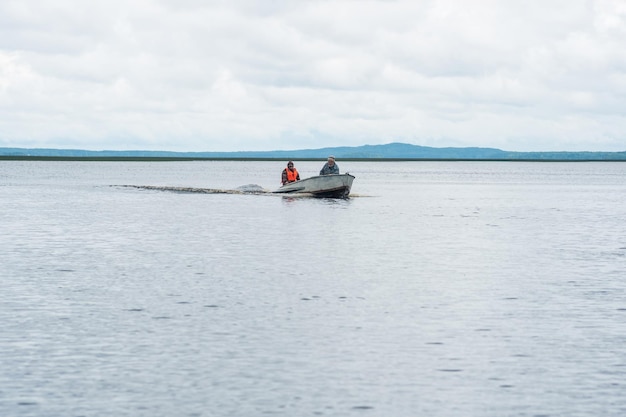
(456, 289)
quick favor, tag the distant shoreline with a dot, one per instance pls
(244, 159)
(375, 153)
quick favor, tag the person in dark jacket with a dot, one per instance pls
(290, 174)
(330, 167)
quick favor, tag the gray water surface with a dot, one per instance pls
(437, 289)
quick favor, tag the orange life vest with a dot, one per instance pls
(291, 175)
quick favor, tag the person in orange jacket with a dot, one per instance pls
(290, 174)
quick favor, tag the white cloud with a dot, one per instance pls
(248, 75)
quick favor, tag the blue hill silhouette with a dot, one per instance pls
(376, 152)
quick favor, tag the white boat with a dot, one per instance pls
(335, 185)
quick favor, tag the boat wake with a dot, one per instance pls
(244, 189)
(248, 189)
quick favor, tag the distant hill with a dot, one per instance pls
(377, 152)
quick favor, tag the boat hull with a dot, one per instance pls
(333, 186)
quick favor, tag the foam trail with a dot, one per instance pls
(244, 189)
(248, 189)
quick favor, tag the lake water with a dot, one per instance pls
(438, 289)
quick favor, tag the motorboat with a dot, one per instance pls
(334, 186)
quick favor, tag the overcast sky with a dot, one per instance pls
(197, 75)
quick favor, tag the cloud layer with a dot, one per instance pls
(243, 75)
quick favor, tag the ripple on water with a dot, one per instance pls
(76, 265)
